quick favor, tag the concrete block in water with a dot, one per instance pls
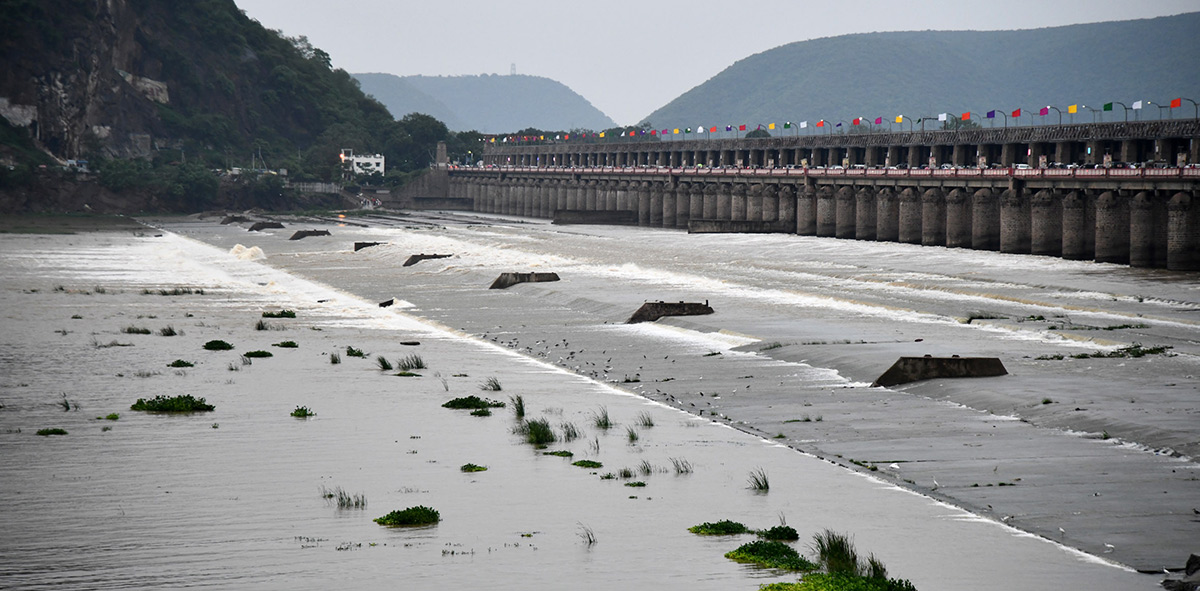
(737, 227)
(416, 258)
(584, 216)
(511, 279)
(306, 233)
(651, 311)
(912, 369)
(264, 226)
(234, 219)
(361, 245)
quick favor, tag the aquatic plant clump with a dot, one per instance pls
(724, 527)
(537, 432)
(135, 330)
(472, 468)
(286, 345)
(481, 412)
(472, 402)
(779, 532)
(51, 431)
(343, 499)
(181, 363)
(771, 555)
(352, 352)
(217, 345)
(279, 314)
(257, 354)
(562, 453)
(182, 403)
(592, 464)
(841, 582)
(303, 412)
(412, 516)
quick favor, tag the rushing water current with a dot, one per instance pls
(234, 498)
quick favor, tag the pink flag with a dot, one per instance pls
(1044, 111)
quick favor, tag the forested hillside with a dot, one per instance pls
(488, 103)
(929, 72)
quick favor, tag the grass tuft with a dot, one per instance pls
(472, 468)
(587, 535)
(472, 402)
(681, 465)
(217, 345)
(182, 403)
(334, 358)
(168, 331)
(601, 419)
(569, 431)
(645, 419)
(537, 432)
(383, 364)
(279, 314)
(758, 480)
(518, 405)
(410, 362)
(343, 499)
(135, 330)
(836, 552)
(636, 484)
(724, 527)
(412, 516)
(352, 352)
(286, 345)
(631, 434)
(490, 385)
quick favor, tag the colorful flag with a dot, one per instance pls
(803, 124)
(728, 128)
(1073, 109)
(1177, 103)
(1108, 106)
(991, 114)
(839, 124)
(663, 132)
(687, 130)
(879, 121)
(742, 127)
(1016, 113)
(567, 137)
(675, 131)
(966, 116)
(1136, 105)
(653, 132)
(821, 123)
(712, 129)
(942, 117)
(787, 124)
(856, 121)
(899, 118)
(1044, 111)
(602, 134)
(770, 126)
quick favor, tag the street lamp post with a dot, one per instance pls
(1002, 112)
(1123, 106)
(1195, 105)
(1094, 111)
(1057, 110)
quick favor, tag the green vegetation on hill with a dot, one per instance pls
(487, 103)
(924, 73)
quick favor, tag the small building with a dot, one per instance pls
(362, 163)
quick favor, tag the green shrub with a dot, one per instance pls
(470, 402)
(217, 345)
(419, 515)
(724, 527)
(772, 555)
(182, 403)
(181, 363)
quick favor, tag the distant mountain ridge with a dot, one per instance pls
(486, 103)
(921, 74)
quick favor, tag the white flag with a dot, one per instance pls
(942, 117)
(1137, 104)
(803, 124)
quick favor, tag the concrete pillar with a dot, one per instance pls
(958, 219)
(864, 214)
(1147, 237)
(826, 212)
(738, 202)
(590, 194)
(725, 202)
(696, 202)
(845, 215)
(1183, 233)
(985, 220)
(1046, 224)
(933, 218)
(887, 216)
(1014, 222)
(656, 203)
(754, 206)
(668, 206)
(770, 203)
(1075, 228)
(910, 216)
(534, 199)
(644, 203)
(787, 207)
(623, 197)
(806, 210)
(1112, 229)
(574, 194)
(683, 204)
(711, 200)
(893, 156)
(1008, 155)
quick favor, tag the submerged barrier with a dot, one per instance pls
(912, 369)
(651, 311)
(510, 279)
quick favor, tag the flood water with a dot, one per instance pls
(233, 498)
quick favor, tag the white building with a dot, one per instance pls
(362, 163)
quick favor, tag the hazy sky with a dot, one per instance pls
(629, 57)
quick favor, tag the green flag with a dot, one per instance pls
(688, 130)
(1107, 106)
(787, 125)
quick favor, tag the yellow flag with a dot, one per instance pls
(770, 126)
(676, 130)
(602, 134)
(899, 118)
(1073, 109)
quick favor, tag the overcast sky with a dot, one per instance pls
(630, 57)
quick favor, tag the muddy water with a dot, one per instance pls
(231, 499)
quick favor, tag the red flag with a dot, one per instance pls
(1177, 103)
(821, 123)
(857, 120)
(741, 128)
(653, 132)
(966, 116)
(712, 129)
(1016, 113)
(878, 120)
(567, 136)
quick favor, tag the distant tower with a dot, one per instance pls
(512, 70)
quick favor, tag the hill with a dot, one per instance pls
(930, 72)
(486, 103)
(156, 94)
